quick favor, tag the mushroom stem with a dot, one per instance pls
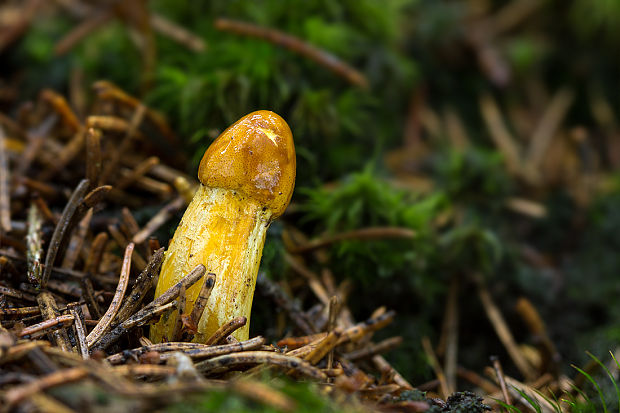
(217, 223)
(247, 176)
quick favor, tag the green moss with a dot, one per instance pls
(305, 395)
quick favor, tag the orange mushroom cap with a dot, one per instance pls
(256, 157)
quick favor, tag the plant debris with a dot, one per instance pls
(86, 327)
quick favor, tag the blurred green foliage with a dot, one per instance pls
(305, 396)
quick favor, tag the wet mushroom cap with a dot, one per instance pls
(256, 157)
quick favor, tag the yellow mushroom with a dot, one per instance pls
(247, 178)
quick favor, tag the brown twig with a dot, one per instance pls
(93, 156)
(137, 320)
(63, 225)
(59, 104)
(65, 156)
(107, 91)
(129, 224)
(161, 189)
(144, 370)
(159, 219)
(34, 243)
(325, 346)
(20, 350)
(80, 330)
(388, 370)
(531, 391)
(536, 325)
(20, 25)
(505, 336)
(96, 252)
(178, 33)
(5, 197)
(36, 138)
(477, 380)
(363, 234)
(45, 210)
(373, 349)
(11, 292)
(107, 123)
(499, 373)
(546, 129)
(76, 241)
(134, 124)
(313, 280)
(148, 311)
(109, 315)
(275, 292)
(142, 285)
(205, 351)
(500, 134)
(19, 312)
(201, 301)
(226, 329)
(432, 360)
(95, 197)
(451, 334)
(71, 39)
(296, 45)
(44, 327)
(292, 343)
(88, 295)
(224, 363)
(120, 239)
(194, 350)
(22, 392)
(49, 310)
(138, 172)
(334, 309)
(352, 334)
(177, 329)
(358, 331)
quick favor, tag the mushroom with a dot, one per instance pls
(247, 178)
